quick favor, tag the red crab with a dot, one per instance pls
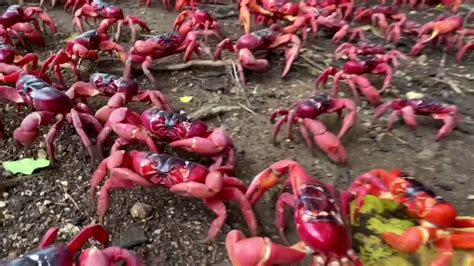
(182, 177)
(47, 254)
(185, 40)
(24, 22)
(266, 39)
(50, 105)
(111, 14)
(177, 129)
(305, 113)
(342, 8)
(199, 19)
(352, 72)
(85, 46)
(364, 47)
(439, 221)
(121, 92)
(466, 48)
(11, 63)
(396, 29)
(442, 29)
(407, 109)
(339, 28)
(321, 222)
(378, 15)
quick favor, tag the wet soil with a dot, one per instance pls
(60, 195)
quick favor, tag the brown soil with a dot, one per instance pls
(60, 195)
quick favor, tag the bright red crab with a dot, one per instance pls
(121, 92)
(185, 40)
(11, 63)
(364, 47)
(306, 112)
(439, 222)
(380, 15)
(23, 22)
(321, 222)
(339, 28)
(342, 8)
(352, 72)
(177, 129)
(50, 105)
(85, 46)
(197, 19)
(182, 177)
(407, 109)
(442, 30)
(265, 39)
(47, 254)
(110, 15)
(395, 30)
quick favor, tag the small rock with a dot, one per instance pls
(210, 248)
(46, 202)
(429, 152)
(5, 195)
(64, 183)
(42, 154)
(470, 197)
(42, 209)
(186, 243)
(70, 229)
(42, 193)
(132, 236)
(421, 60)
(28, 193)
(3, 204)
(140, 210)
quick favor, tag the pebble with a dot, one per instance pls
(5, 195)
(429, 152)
(140, 210)
(470, 197)
(186, 243)
(42, 193)
(42, 209)
(70, 229)
(131, 236)
(46, 202)
(3, 204)
(64, 183)
(28, 193)
(210, 248)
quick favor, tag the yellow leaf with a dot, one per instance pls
(414, 95)
(186, 99)
(366, 27)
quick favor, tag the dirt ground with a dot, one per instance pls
(59, 195)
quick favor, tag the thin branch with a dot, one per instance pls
(212, 110)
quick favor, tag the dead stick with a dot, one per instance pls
(212, 110)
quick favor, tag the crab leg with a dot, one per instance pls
(48, 238)
(95, 231)
(259, 251)
(28, 130)
(52, 134)
(285, 199)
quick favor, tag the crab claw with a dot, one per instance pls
(96, 231)
(328, 142)
(451, 121)
(323, 78)
(259, 251)
(108, 256)
(411, 240)
(214, 144)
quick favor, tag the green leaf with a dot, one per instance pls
(25, 166)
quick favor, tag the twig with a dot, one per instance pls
(192, 63)
(246, 108)
(73, 201)
(212, 110)
(313, 64)
(441, 69)
(10, 182)
(451, 84)
(402, 141)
